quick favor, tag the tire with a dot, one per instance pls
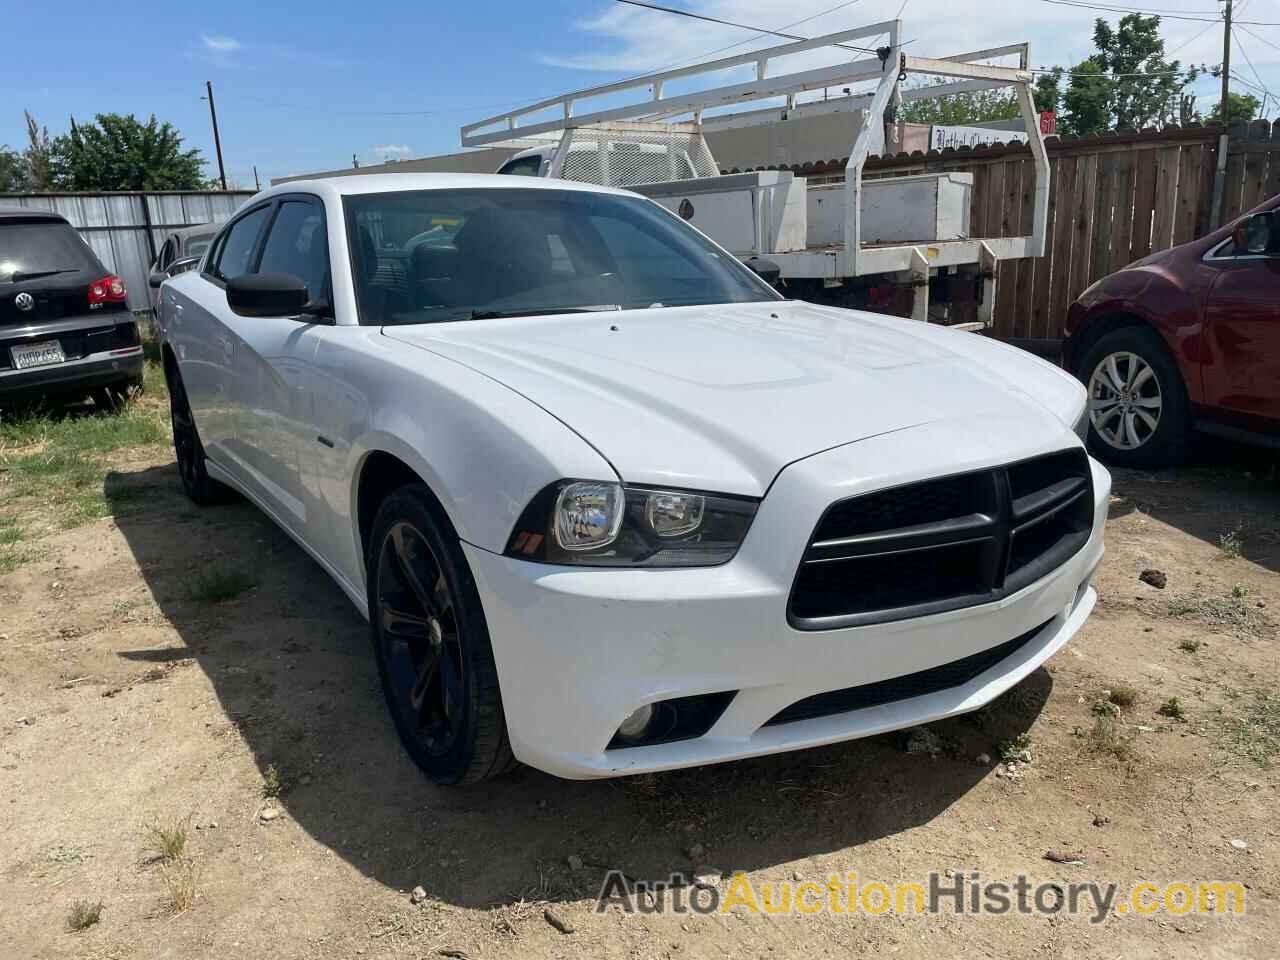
(199, 487)
(1139, 412)
(115, 395)
(432, 644)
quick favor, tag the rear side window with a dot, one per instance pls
(297, 245)
(523, 167)
(43, 248)
(235, 258)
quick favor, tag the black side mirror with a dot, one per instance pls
(1258, 234)
(155, 278)
(766, 270)
(267, 295)
(182, 265)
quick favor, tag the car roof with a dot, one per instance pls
(398, 182)
(30, 213)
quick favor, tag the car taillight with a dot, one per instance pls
(107, 290)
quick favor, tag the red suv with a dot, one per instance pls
(1185, 339)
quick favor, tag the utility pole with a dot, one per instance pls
(1220, 175)
(1226, 62)
(217, 141)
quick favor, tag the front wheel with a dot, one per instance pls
(1139, 412)
(432, 644)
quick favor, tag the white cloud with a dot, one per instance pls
(389, 150)
(219, 43)
(626, 40)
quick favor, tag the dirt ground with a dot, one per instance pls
(139, 690)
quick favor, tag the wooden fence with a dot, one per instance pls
(1114, 199)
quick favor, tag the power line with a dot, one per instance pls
(1258, 38)
(730, 23)
(1257, 76)
(1200, 33)
(1165, 16)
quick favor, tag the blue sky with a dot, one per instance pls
(302, 87)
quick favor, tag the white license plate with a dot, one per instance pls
(37, 355)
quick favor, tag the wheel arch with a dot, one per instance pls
(381, 473)
(1097, 328)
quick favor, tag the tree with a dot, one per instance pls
(37, 157)
(1127, 83)
(1240, 106)
(960, 109)
(1048, 91)
(13, 171)
(1087, 100)
(119, 152)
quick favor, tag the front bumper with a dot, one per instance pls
(579, 649)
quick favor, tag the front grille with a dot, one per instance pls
(944, 677)
(942, 544)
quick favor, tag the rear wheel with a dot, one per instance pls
(1139, 412)
(188, 450)
(432, 644)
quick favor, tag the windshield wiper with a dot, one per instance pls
(19, 275)
(542, 312)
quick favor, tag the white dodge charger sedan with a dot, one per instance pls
(610, 503)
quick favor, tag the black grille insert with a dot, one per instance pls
(944, 677)
(942, 544)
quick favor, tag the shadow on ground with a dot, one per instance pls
(291, 665)
(1226, 490)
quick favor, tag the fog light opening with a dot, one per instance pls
(634, 727)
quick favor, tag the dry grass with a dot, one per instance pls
(1254, 735)
(273, 784)
(220, 585)
(1123, 695)
(181, 880)
(1173, 709)
(84, 914)
(1233, 613)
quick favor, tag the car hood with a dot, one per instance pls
(723, 397)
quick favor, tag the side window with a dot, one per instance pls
(297, 245)
(234, 259)
(523, 167)
(166, 256)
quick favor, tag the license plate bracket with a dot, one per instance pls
(43, 354)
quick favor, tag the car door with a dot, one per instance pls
(1242, 323)
(272, 359)
(200, 327)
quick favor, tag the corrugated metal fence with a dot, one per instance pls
(126, 229)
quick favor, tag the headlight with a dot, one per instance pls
(596, 523)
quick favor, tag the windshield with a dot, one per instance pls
(432, 256)
(42, 248)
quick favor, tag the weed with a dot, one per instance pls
(84, 914)
(1189, 644)
(166, 842)
(220, 585)
(64, 856)
(1239, 591)
(1105, 708)
(1172, 709)
(1229, 543)
(1123, 695)
(273, 784)
(1017, 750)
(1105, 738)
